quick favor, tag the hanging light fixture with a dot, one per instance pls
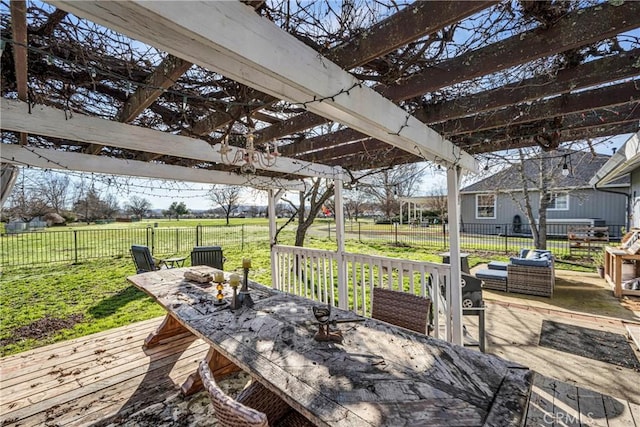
(248, 157)
(565, 167)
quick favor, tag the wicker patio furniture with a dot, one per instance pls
(493, 279)
(255, 406)
(531, 280)
(401, 309)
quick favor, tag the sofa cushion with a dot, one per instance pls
(535, 253)
(542, 262)
(491, 274)
(498, 265)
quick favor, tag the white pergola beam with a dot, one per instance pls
(53, 122)
(62, 160)
(230, 38)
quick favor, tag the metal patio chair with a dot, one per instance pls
(142, 259)
(208, 255)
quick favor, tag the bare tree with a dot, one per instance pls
(53, 189)
(138, 206)
(437, 203)
(109, 206)
(225, 196)
(354, 203)
(91, 205)
(386, 186)
(534, 185)
(307, 208)
(25, 201)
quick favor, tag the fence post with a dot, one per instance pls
(198, 235)
(329, 229)
(395, 225)
(359, 235)
(177, 239)
(506, 239)
(242, 234)
(75, 245)
(153, 241)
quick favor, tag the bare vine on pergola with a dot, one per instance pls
(487, 75)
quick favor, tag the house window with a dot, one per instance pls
(558, 202)
(485, 206)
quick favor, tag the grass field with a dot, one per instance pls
(42, 304)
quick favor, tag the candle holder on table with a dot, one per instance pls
(234, 282)
(244, 297)
(325, 333)
(218, 278)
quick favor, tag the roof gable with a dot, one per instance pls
(583, 165)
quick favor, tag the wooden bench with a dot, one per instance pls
(585, 241)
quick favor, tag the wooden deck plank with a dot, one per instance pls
(64, 362)
(540, 407)
(62, 378)
(565, 404)
(119, 401)
(592, 411)
(164, 359)
(68, 349)
(635, 412)
(129, 397)
(118, 392)
(618, 412)
(142, 325)
(633, 332)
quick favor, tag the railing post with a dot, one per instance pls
(329, 229)
(198, 235)
(153, 241)
(359, 233)
(506, 239)
(75, 246)
(242, 238)
(177, 239)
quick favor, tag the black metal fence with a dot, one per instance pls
(500, 238)
(77, 245)
(73, 246)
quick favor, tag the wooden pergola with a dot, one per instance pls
(400, 90)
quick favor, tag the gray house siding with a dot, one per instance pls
(583, 204)
(635, 198)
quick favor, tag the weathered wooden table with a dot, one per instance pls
(379, 375)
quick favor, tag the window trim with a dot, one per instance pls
(554, 197)
(495, 206)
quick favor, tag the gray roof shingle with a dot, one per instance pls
(583, 165)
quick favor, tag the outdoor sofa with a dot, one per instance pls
(532, 273)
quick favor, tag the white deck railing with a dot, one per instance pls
(313, 273)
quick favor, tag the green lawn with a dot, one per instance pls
(42, 304)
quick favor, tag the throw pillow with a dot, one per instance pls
(533, 254)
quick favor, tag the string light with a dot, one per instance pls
(565, 167)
